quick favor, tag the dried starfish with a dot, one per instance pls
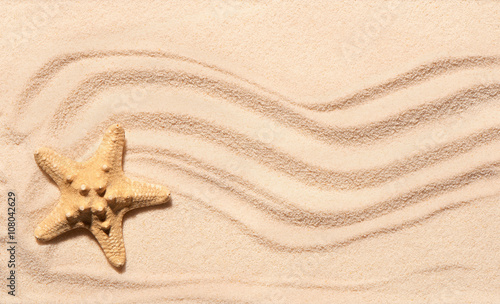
(95, 195)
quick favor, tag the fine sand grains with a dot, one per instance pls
(274, 199)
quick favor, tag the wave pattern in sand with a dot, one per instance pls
(329, 186)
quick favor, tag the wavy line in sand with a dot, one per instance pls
(278, 247)
(345, 218)
(282, 162)
(84, 277)
(405, 80)
(305, 218)
(364, 134)
(301, 217)
(274, 245)
(417, 75)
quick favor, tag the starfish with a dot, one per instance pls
(96, 194)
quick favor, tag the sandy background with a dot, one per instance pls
(316, 152)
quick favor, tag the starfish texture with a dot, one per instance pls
(95, 194)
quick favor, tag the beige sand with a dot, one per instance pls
(316, 152)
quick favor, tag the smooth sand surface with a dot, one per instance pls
(316, 152)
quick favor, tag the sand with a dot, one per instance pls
(316, 152)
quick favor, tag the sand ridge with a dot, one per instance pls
(273, 200)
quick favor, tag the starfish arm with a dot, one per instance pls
(144, 194)
(111, 241)
(110, 152)
(53, 225)
(58, 167)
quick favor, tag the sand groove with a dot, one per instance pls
(318, 231)
(364, 134)
(412, 77)
(306, 173)
(311, 175)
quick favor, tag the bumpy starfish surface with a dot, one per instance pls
(95, 194)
